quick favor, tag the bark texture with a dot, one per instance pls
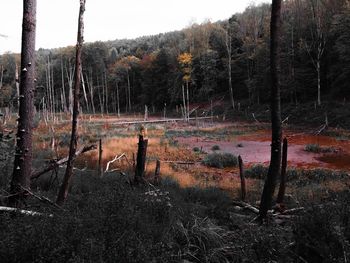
(274, 168)
(23, 157)
(63, 192)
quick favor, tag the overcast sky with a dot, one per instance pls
(109, 19)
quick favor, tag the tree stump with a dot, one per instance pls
(141, 159)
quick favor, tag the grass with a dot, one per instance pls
(316, 148)
(189, 217)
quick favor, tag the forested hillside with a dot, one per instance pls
(149, 70)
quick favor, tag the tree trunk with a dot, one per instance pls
(274, 168)
(188, 102)
(70, 71)
(141, 159)
(129, 90)
(184, 102)
(64, 102)
(118, 105)
(318, 69)
(2, 75)
(63, 192)
(241, 174)
(22, 169)
(282, 188)
(17, 85)
(84, 91)
(229, 62)
(106, 92)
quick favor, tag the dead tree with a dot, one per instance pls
(22, 169)
(157, 173)
(274, 168)
(282, 188)
(100, 151)
(241, 174)
(141, 159)
(63, 192)
(228, 44)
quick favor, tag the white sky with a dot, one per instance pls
(109, 19)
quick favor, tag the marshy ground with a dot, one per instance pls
(191, 215)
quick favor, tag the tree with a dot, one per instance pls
(275, 163)
(63, 192)
(23, 158)
(185, 61)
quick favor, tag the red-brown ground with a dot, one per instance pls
(255, 148)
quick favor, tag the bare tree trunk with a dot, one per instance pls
(188, 102)
(64, 101)
(106, 92)
(103, 94)
(129, 90)
(22, 169)
(118, 101)
(17, 85)
(274, 168)
(229, 64)
(100, 151)
(184, 102)
(63, 192)
(126, 99)
(318, 69)
(70, 72)
(141, 159)
(282, 188)
(2, 75)
(241, 174)
(99, 97)
(91, 88)
(53, 92)
(84, 91)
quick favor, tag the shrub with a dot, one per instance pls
(257, 171)
(215, 148)
(196, 149)
(220, 160)
(316, 148)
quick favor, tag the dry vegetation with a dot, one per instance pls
(191, 216)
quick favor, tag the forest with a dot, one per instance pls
(226, 141)
(149, 71)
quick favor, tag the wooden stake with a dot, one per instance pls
(157, 173)
(141, 159)
(100, 150)
(241, 174)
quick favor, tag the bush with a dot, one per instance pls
(257, 171)
(220, 160)
(215, 148)
(316, 148)
(196, 149)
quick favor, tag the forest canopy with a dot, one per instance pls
(147, 71)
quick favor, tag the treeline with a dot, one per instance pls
(126, 75)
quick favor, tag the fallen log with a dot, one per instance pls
(55, 164)
(158, 121)
(246, 206)
(21, 211)
(179, 162)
